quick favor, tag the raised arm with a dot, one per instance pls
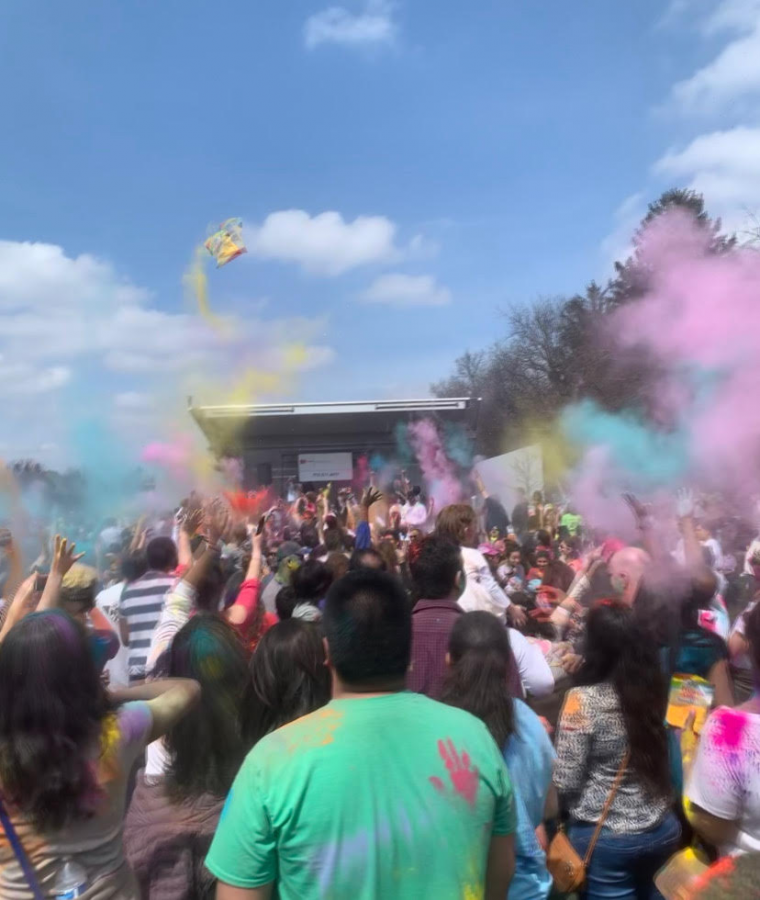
(64, 557)
(243, 609)
(363, 533)
(179, 602)
(691, 547)
(189, 527)
(23, 602)
(15, 563)
(169, 700)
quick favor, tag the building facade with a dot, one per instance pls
(320, 442)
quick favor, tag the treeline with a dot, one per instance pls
(559, 350)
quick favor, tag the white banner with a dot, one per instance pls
(325, 467)
(503, 475)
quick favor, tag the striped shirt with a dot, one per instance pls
(141, 605)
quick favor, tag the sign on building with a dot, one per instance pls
(325, 467)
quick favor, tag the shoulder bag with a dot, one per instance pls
(565, 866)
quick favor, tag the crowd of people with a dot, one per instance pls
(340, 697)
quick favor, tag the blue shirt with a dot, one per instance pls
(529, 756)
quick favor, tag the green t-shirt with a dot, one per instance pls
(571, 522)
(394, 796)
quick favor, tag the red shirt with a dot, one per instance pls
(432, 621)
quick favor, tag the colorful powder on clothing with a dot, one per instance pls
(730, 726)
(464, 780)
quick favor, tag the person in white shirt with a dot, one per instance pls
(414, 513)
(706, 539)
(458, 522)
(535, 673)
(108, 602)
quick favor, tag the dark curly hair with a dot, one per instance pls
(207, 747)
(52, 709)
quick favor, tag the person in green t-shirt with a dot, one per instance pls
(380, 794)
(572, 522)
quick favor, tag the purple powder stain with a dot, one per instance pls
(404, 822)
(341, 854)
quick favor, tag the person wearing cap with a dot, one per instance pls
(288, 560)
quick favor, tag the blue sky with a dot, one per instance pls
(476, 155)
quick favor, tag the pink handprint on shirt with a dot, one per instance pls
(464, 779)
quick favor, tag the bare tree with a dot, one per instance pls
(526, 470)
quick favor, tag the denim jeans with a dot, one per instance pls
(623, 866)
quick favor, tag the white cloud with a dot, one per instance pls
(398, 289)
(732, 15)
(33, 275)
(734, 74)
(725, 167)
(374, 25)
(421, 247)
(133, 400)
(324, 244)
(23, 378)
(75, 323)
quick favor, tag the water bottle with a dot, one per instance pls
(70, 882)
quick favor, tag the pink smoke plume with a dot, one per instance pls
(700, 320)
(173, 456)
(702, 314)
(437, 469)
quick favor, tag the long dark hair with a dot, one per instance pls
(207, 747)
(289, 678)
(478, 679)
(619, 651)
(52, 711)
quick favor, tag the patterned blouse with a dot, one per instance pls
(591, 743)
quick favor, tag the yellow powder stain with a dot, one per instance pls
(108, 764)
(315, 730)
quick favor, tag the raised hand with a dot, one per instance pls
(571, 662)
(371, 496)
(64, 556)
(192, 522)
(685, 503)
(637, 508)
(217, 521)
(517, 616)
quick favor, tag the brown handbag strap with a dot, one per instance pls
(605, 811)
